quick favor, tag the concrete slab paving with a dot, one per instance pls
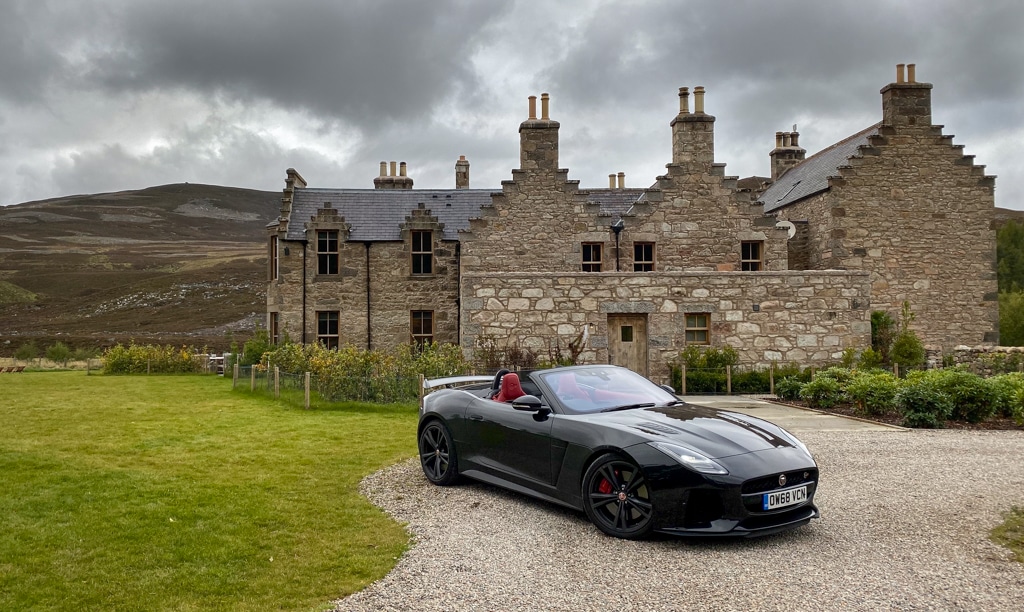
(791, 418)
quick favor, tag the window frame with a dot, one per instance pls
(324, 256)
(692, 333)
(421, 337)
(330, 341)
(273, 257)
(274, 327)
(421, 260)
(587, 250)
(644, 264)
(748, 263)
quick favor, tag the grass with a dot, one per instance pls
(1011, 533)
(175, 493)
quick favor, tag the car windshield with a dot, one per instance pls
(603, 388)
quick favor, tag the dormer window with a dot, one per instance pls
(327, 256)
(422, 252)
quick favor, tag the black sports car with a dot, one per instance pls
(629, 453)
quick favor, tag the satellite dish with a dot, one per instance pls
(788, 226)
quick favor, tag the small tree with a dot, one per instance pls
(907, 349)
(58, 352)
(27, 351)
(883, 331)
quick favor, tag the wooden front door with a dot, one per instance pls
(627, 341)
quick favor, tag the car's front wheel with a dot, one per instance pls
(617, 499)
(437, 454)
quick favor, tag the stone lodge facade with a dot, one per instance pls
(784, 270)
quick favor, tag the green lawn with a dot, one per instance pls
(175, 493)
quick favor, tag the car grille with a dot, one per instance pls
(770, 483)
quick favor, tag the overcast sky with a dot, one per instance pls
(107, 95)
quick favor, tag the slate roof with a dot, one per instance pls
(811, 176)
(376, 215)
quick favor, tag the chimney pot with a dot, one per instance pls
(899, 73)
(698, 100)
(394, 168)
(787, 139)
(544, 107)
(778, 140)
(462, 158)
(383, 168)
(533, 107)
(611, 181)
(911, 73)
(622, 180)
(794, 139)
(402, 171)
(684, 100)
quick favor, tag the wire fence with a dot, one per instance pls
(312, 391)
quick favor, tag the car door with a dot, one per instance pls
(508, 443)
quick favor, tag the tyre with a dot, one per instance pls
(616, 498)
(437, 454)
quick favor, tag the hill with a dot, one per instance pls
(178, 264)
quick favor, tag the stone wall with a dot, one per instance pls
(801, 317)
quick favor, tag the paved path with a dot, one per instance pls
(791, 418)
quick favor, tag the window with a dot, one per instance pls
(327, 252)
(643, 257)
(422, 252)
(592, 256)
(697, 328)
(751, 256)
(626, 333)
(274, 327)
(327, 328)
(422, 325)
(272, 259)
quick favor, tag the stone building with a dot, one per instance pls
(788, 270)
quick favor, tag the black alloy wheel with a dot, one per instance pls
(437, 454)
(616, 498)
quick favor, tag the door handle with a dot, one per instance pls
(476, 417)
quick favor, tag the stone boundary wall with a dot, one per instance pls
(804, 317)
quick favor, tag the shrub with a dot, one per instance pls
(59, 352)
(27, 351)
(907, 350)
(1009, 389)
(822, 392)
(255, 347)
(883, 330)
(751, 381)
(974, 398)
(923, 404)
(869, 359)
(788, 387)
(143, 359)
(837, 373)
(874, 393)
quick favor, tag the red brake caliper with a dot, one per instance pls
(605, 486)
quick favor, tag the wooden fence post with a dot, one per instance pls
(252, 378)
(728, 380)
(682, 383)
(277, 382)
(147, 366)
(896, 369)
(422, 378)
(234, 376)
(307, 390)
(771, 379)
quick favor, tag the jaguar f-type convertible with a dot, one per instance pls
(629, 453)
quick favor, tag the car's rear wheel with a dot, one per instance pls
(617, 499)
(437, 454)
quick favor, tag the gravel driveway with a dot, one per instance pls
(905, 519)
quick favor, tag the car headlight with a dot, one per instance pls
(690, 458)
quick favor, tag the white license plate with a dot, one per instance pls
(781, 499)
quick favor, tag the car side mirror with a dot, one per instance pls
(668, 388)
(530, 403)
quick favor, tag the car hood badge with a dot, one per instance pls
(782, 480)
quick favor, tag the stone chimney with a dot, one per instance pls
(693, 134)
(907, 103)
(462, 173)
(622, 180)
(396, 179)
(787, 153)
(538, 139)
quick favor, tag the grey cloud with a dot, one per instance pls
(364, 61)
